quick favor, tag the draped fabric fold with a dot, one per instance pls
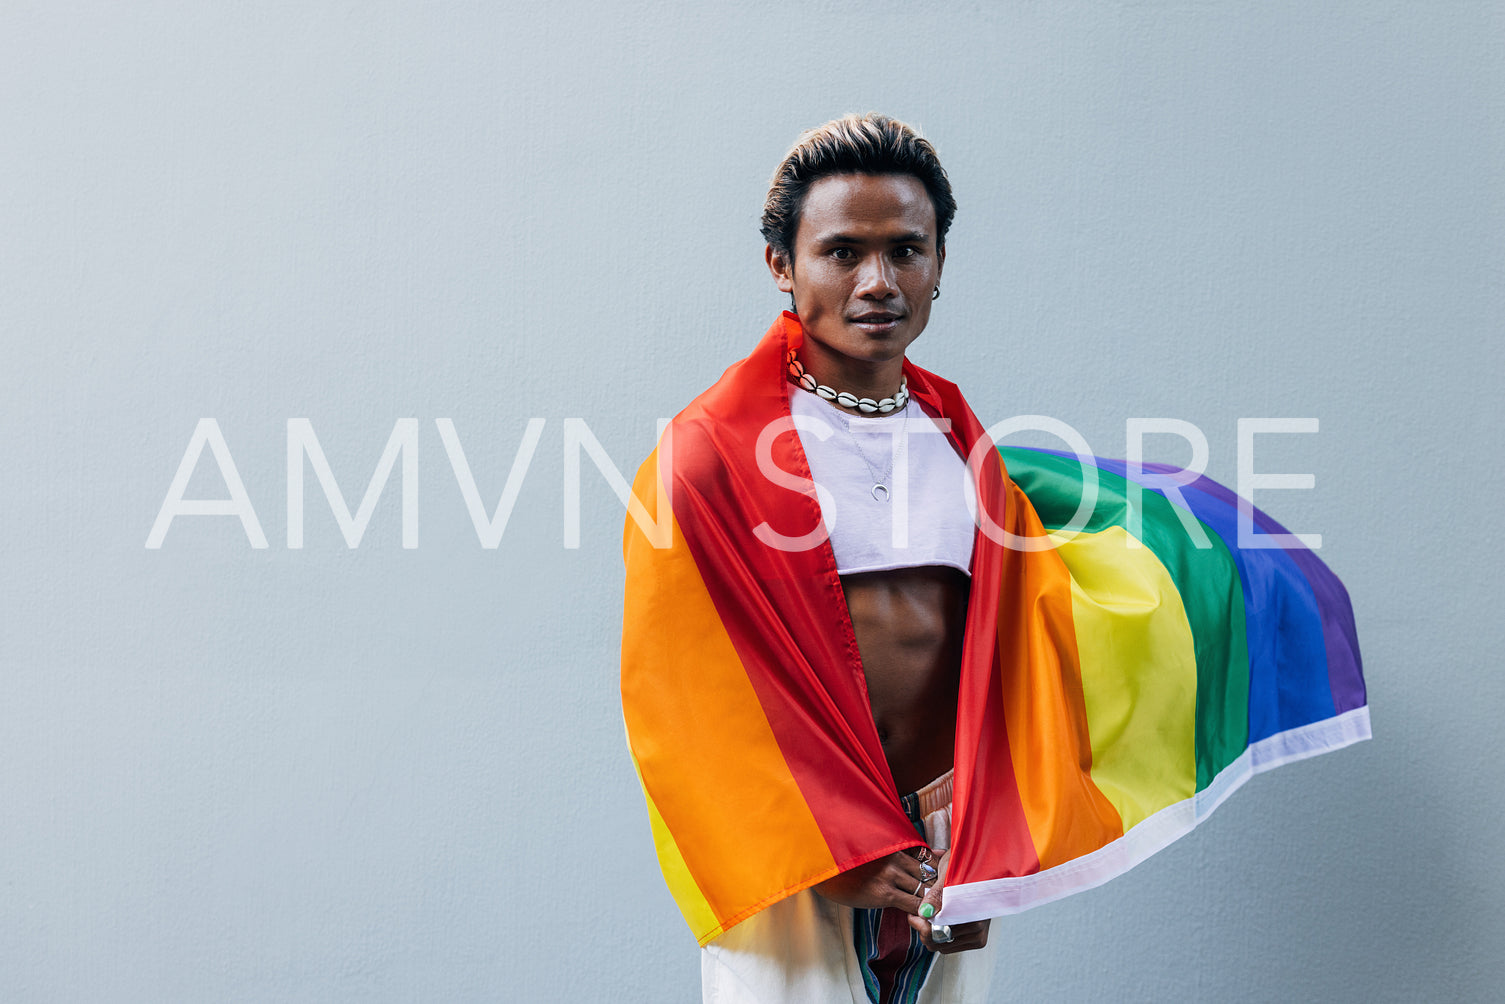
(1126, 665)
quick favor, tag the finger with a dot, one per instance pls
(942, 863)
(914, 877)
(910, 899)
(971, 945)
(907, 881)
(928, 932)
(964, 937)
(930, 901)
(973, 935)
(906, 863)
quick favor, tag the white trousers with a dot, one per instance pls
(799, 951)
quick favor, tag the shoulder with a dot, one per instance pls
(723, 423)
(945, 399)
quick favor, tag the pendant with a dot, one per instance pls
(880, 488)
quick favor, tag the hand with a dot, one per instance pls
(964, 937)
(891, 881)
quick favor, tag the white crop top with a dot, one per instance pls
(925, 520)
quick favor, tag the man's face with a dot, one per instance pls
(865, 263)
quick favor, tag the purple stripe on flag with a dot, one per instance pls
(1339, 636)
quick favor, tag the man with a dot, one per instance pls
(816, 631)
(856, 221)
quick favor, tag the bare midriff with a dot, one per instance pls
(909, 624)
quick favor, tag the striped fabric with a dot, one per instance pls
(1115, 687)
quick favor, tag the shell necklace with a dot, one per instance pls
(867, 405)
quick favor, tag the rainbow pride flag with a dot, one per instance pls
(1115, 686)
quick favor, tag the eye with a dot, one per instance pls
(842, 254)
(906, 251)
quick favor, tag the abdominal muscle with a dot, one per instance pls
(909, 624)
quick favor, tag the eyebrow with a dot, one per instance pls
(912, 237)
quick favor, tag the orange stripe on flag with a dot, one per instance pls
(1043, 705)
(705, 752)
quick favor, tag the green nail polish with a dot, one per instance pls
(927, 910)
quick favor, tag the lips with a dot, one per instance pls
(877, 322)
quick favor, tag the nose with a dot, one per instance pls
(876, 279)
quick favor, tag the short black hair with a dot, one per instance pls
(853, 144)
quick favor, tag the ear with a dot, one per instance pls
(940, 260)
(781, 267)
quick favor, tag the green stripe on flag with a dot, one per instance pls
(1206, 578)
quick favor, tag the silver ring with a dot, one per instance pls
(919, 889)
(940, 933)
(927, 872)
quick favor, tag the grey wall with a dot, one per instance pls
(392, 774)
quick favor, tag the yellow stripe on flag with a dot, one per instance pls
(1139, 673)
(692, 902)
